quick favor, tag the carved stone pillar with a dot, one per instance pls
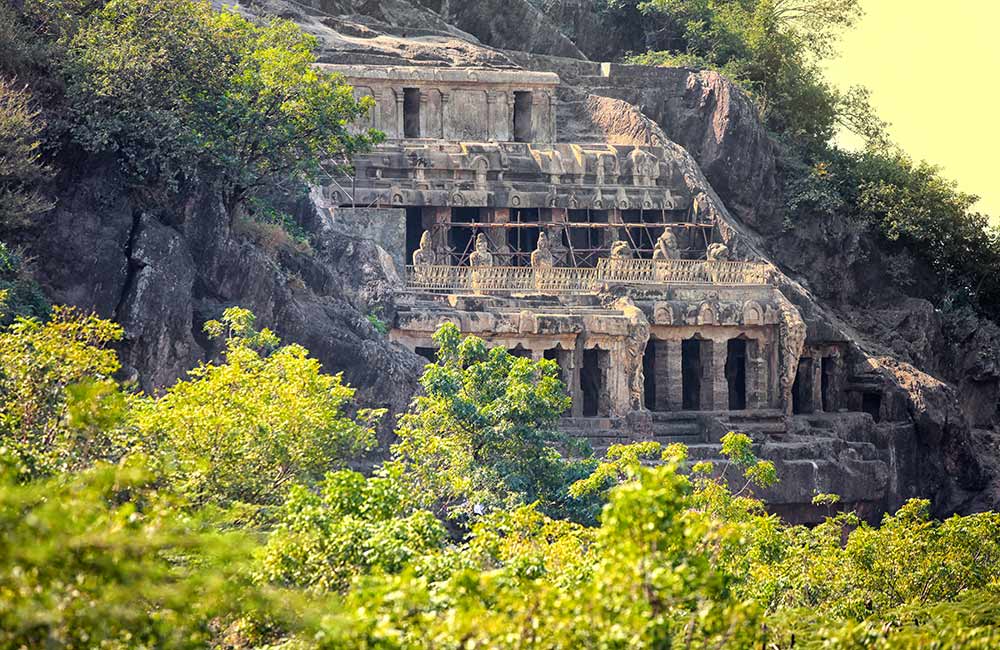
(425, 130)
(817, 384)
(574, 386)
(445, 114)
(611, 401)
(719, 384)
(491, 116)
(399, 114)
(498, 237)
(757, 373)
(674, 384)
(661, 375)
(510, 115)
(433, 220)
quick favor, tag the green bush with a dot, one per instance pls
(246, 430)
(59, 405)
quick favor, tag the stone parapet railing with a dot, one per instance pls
(518, 279)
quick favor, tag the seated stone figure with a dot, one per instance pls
(666, 247)
(482, 255)
(425, 255)
(542, 258)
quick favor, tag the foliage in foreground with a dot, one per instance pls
(151, 553)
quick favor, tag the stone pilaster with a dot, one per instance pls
(399, 113)
(817, 384)
(491, 116)
(661, 367)
(445, 113)
(717, 380)
(674, 379)
(425, 130)
(756, 375)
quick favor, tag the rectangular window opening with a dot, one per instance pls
(522, 116)
(411, 112)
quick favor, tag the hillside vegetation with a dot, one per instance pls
(225, 513)
(222, 514)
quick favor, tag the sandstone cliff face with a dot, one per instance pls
(163, 272)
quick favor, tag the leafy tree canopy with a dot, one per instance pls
(245, 430)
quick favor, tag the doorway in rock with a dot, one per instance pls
(802, 388)
(428, 353)
(592, 383)
(691, 372)
(871, 403)
(522, 116)
(520, 352)
(461, 238)
(649, 375)
(411, 112)
(522, 240)
(736, 373)
(414, 230)
(562, 358)
(826, 384)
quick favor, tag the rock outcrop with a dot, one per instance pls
(163, 273)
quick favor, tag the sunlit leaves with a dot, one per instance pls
(57, 405)
(246, 429)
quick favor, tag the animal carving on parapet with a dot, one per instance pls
(717, 253)
(619, 257)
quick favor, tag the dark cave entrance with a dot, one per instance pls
(593, 382)
(691, 374)
(736, 373)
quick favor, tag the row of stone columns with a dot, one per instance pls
(668, 382)
(668, 368)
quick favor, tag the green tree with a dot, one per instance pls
(99, 559)
(772, 47)
(484, 434)
(349, 526)
(247, 429)
(182, 91)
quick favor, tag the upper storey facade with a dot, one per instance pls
(463, 104)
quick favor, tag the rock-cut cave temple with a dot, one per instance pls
(594, 254)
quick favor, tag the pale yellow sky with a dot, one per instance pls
(933, 67)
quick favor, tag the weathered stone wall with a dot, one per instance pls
(465, 104)
(384, 226)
